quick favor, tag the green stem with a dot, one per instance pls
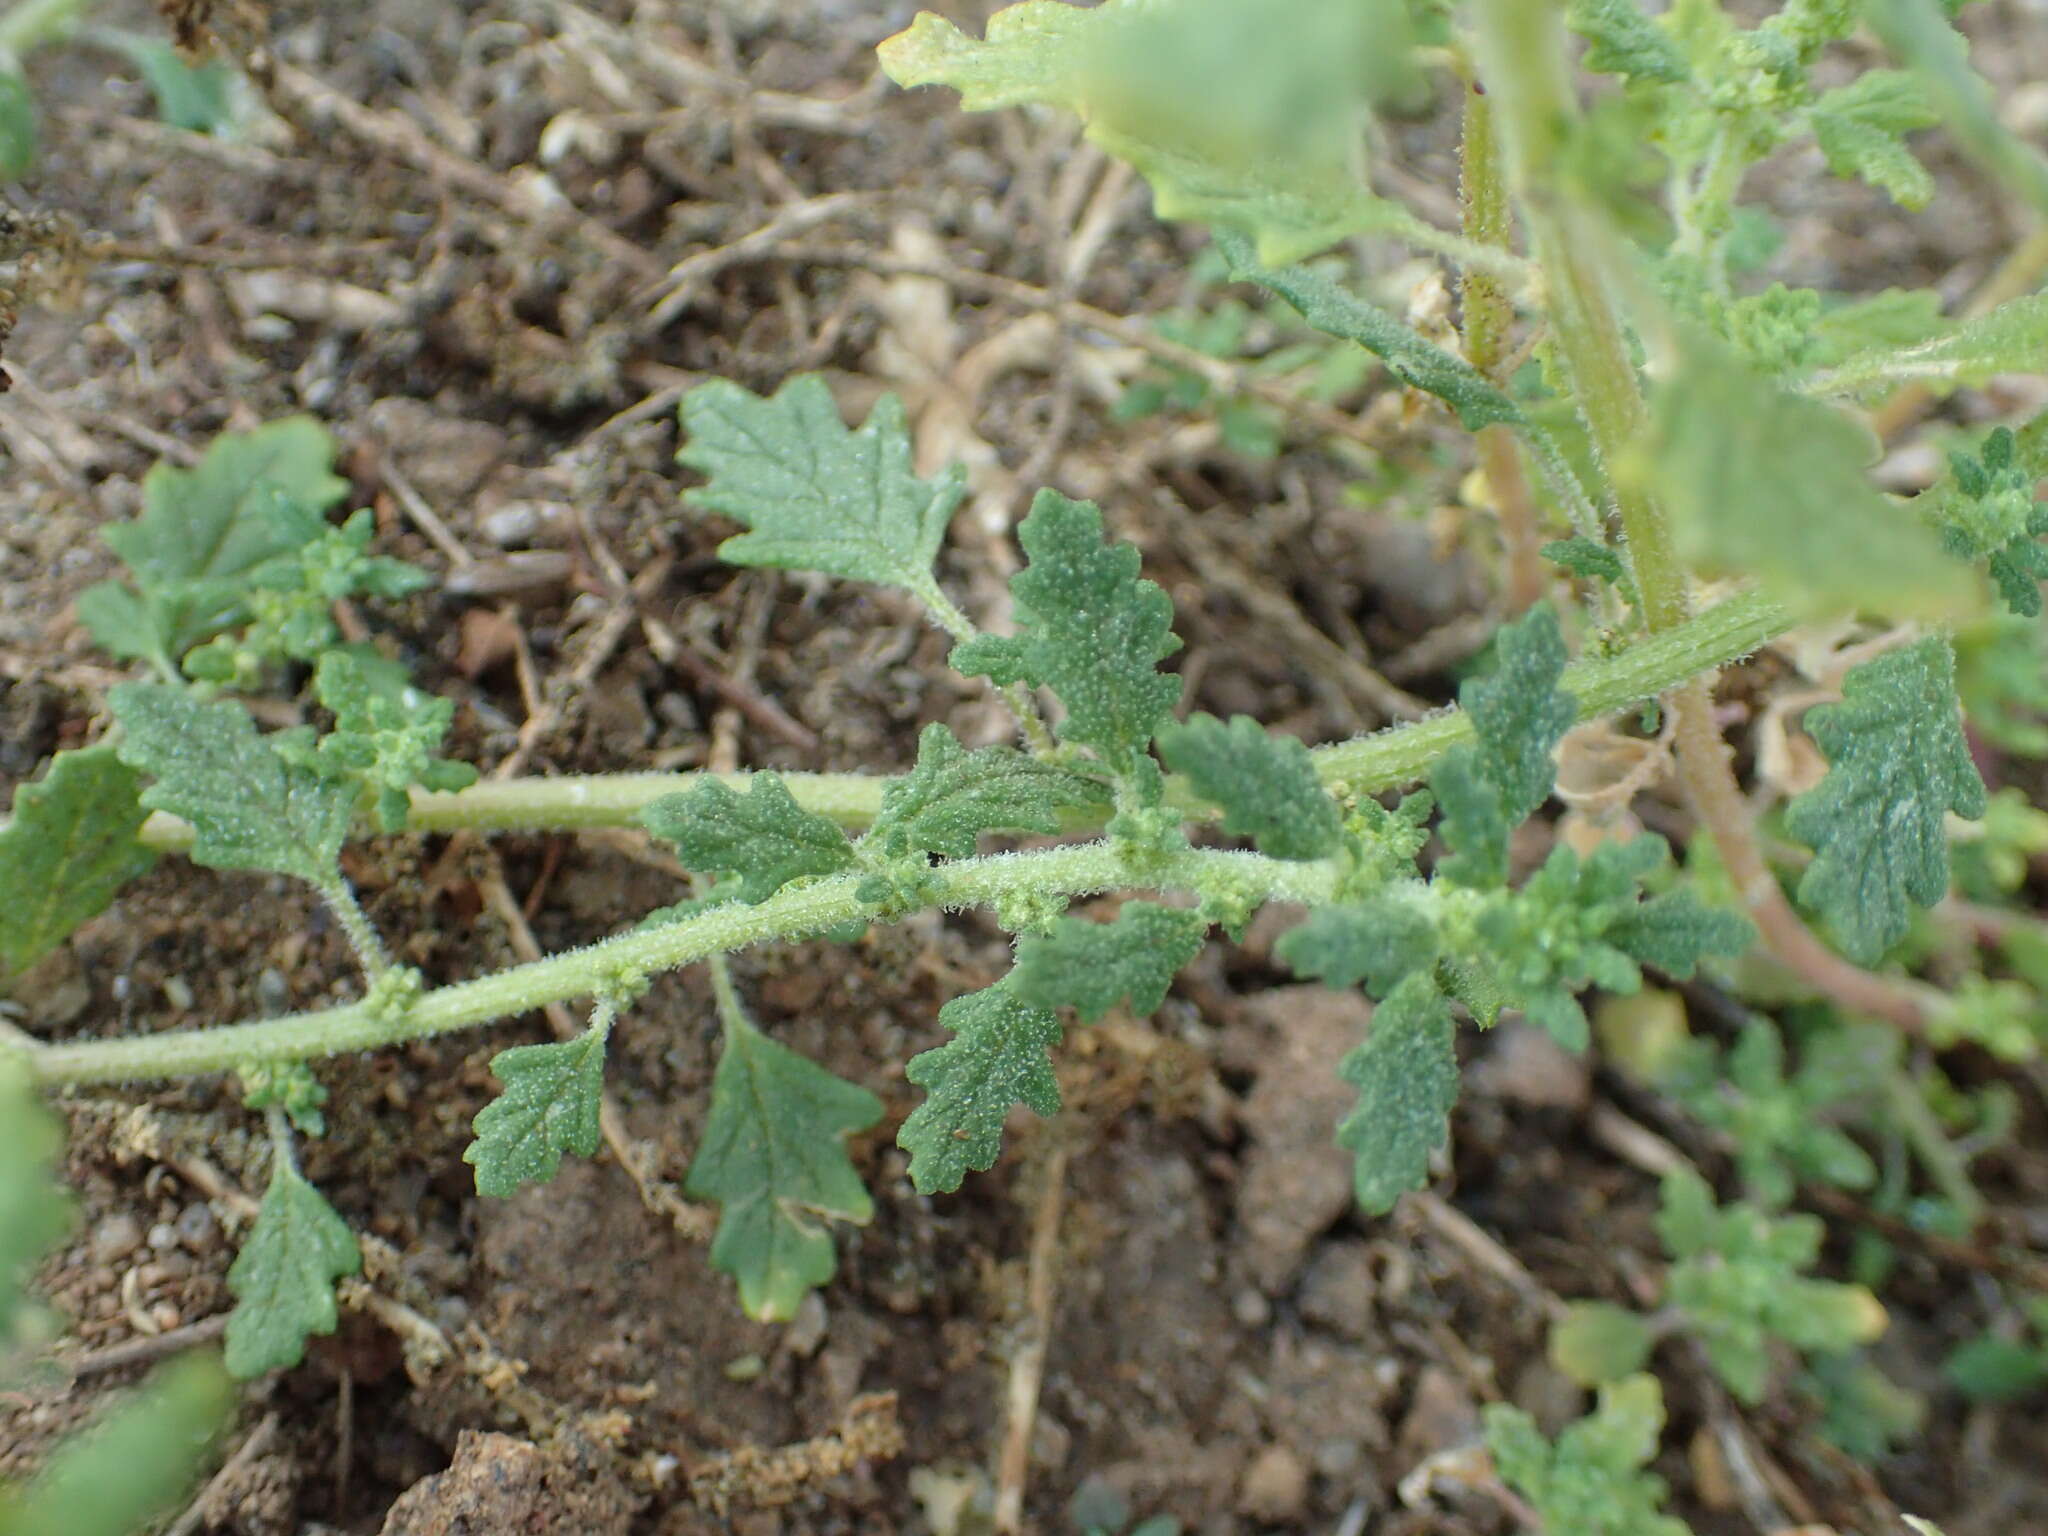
(1930, 1143)
(355, 923)
(947, 615)
(793, 913)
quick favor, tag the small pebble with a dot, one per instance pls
(166, 1316)
(198, 1229)
(806, 1330)
(1275, 1487)
(1251, 1309)
(116, 1237)
(163, 1237)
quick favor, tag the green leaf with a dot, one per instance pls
(137, 1463)
(1092, 630)
(1266, 784)
(1376, 941)
(193, 96)
(1416, 362)
(1599, 1342)
(998, 1056)
(1897, 762)
(283, 1278)
(68, 848)
(1624, 41)
(2012, 338)
(1490, 787)
(249, 808)
(550, 1105)
(1590, 1483)
(1406, 1074)
(206, 531)
(774, 1157)
(1861, 130)
(1091, 967)
(1240, 117)
(383, 740)
(763, 836)
(34, 1213)
(20, 137)
(1763, 483)
(1989, 1369)
(814, 495)
(953, 796)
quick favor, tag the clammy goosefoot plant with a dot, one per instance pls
(1679, 476)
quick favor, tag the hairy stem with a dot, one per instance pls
(356, 924)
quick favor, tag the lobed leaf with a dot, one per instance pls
(69, 846)
(1406, 1074)
(763, 836)
(1091, 629)
(2013, 338)
(952, 796)
(998, 1056)
(814, 495)
(1091, 967)
(1266, 784)
(1861, 130)
(283, 1279)
(1623, 41)
(249, 808)
(1591, 1482)
(774, 1158)
(551, 1103)
(1598, 1342)
(1378, 942)
(1897, 763)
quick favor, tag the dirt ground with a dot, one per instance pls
(490, 244)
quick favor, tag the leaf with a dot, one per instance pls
(248, 807)
(953, 796)
(814, 495)
(1518, 717)
(1591, 1482)
(550, 1104)
(1242, 117)
(1623, 41)
(1598, 1342)
(774, 1157)
(1406, 1074)
(1378, 942)
(1092, 630)
(1091, 967)
(1763, 483)
(20, 136)
(34, 1212)
(135, 1464)
(1266, 784)
(1897, 761)
(205, 531)
(283, 1279)
(383, 739)
(1860, 128)
(2012, 338)
(68, 848)
(1416, 362)
(1989, 1369)
(998, 1057)
(1676, 930)
(189, 95)
(763, 836)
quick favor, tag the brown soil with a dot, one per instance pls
(446, 234)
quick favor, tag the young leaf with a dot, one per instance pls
(1861, 130)
(1091, 967)
(1623, 41)
(34, 1212)
(1599, 1342)
(20, 134)
(204, 532)
(2012, 338)
(1092, 630)
(1378, 942)
(250, 808)
(68, 848)
(763, 836)
(813, 495)
(192, 96)
(383, 739)
(1764, 483)
(1590, 1483)
(953, 796)
(1266, 784)
(1897, 761)
(1406, 1074)
(550, 1104)
(1416, 362)
(998, 1056)
(1518, 715)
(774, 1157)
(283, 1279)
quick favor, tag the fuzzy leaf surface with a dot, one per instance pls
(34, 1212)
(249, 807)
(1090, 628)
(1265, 783)
(953, 795)
(283, 1278)
(1861, 129)
(1406, 1074)
(2012, 338)
(762, 836)
(1621, 40)
(1764, 483)
(68, 848)
(1897, 762)
(1091, 967)
(1591, 1482)
(1377, 942)
(774, 1158)
(999, 1056)
(814, 495)
(1490, 787)
(550, 1104)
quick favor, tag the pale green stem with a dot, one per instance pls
(792, 913)
(732, 1013)
(947, 615)
(1930, 1143)
(356, 924)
